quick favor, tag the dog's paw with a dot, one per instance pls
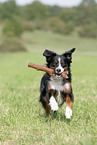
(68, 113)
(53, 104)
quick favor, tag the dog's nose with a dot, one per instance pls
(58, 70)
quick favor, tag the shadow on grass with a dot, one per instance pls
(56, 116)
(60, 117)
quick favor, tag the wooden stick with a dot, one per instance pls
(64, 74)
(44, 68)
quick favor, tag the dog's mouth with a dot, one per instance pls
(58, 76)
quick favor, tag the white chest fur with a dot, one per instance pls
(56, 84)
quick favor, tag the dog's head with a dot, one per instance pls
(58, 62)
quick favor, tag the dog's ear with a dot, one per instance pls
(49, 55)
(68, 54)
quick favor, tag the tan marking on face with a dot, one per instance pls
(53, 67)
(66, 67)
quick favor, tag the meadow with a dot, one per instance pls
(22, 118)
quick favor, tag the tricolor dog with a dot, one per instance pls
(54, 89)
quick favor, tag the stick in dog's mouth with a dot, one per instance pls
(50, 71)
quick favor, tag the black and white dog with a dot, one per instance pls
(55, 90)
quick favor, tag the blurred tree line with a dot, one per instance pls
(17, 19)
(54, 18)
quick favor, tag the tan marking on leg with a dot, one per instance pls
(69, 102)
(67, 87)
(49, 87)
(47, 109)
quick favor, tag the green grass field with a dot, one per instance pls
(22, 118)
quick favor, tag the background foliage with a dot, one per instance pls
(12, 27)
(36, 16)
(57, 19)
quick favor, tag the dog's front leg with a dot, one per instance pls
(69, 97)
(52, 102)
(46, 106)
(68, 113)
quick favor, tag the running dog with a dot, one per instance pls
(54, 89)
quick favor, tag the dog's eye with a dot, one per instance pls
(61, 62)
(56, 61)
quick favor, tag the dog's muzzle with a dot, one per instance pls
(58, 72)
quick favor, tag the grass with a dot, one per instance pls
(39, 40)
(22, 118)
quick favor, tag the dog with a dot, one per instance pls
(54, 89)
